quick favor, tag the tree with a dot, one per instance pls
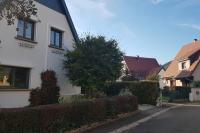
(12, 9)
(152, 77)
(129, 76)
(93, 62)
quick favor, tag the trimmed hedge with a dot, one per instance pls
(60, 118)
(177, 93)
(146, 91)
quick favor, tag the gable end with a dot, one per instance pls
(60, 6)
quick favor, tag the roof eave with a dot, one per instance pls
(69, 20)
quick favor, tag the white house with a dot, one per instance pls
(30, 47)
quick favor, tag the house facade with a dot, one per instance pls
(140, 67)
(30, 47)
(185, 68)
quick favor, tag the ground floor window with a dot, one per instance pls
(14, 77)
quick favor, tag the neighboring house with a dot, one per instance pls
(185, 68)
(159, 72)
(140, 67)
(30, 47)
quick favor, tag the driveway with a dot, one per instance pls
(184, 119)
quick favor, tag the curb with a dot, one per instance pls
(179, 104)
(98, 124)
(137, 123)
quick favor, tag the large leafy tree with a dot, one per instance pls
(93, 62)
(12, 9)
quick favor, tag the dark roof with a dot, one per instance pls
(166, 65)
(183, 74)
(61, 7)
(141, 64)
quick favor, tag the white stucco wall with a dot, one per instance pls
(40, 57)
(196, 73)
(162, 82)
(167, 82)
(179, 83)
(187, 63)
(195, 95)
(10, 99)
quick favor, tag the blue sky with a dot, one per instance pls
(148, 28)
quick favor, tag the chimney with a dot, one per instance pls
(138, 57)
(195, 40)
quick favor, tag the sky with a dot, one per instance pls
(148, 28)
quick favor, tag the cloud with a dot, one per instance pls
(193, 26)
(156, 2)
(96, 8)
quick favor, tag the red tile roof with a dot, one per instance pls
(155, 71)
(186, 51)
(141, 64)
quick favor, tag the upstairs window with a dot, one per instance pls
(25, 29)
(56, 38)
(183, 65)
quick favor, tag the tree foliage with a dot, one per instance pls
(12, 9)
(129, 76)
(152, 77)
(93, 62)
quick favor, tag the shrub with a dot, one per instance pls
(49, 92)
(196, 84)
(36, 97)
(146, 91)
(176, 93)
(114, 88)
(50, 89)
(59, 118)
(19, 121)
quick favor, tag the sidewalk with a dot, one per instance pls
(125, 121)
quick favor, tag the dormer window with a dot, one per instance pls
(183, 65)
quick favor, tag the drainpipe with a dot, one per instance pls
(46, 49)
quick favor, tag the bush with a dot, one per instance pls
(49, 92)
(196, 84)
(59, 118)
(146, 91)
(177, 93)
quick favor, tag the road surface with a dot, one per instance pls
(183, 119)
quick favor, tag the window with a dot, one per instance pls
(14, 77)
(56, 38)
(183, 65)
(25, 29)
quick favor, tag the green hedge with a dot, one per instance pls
(177, 93)
(146, 91)
(60, 118)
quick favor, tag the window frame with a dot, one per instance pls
(54, 30)
(24, 29)
(14, 77)
(183, 65)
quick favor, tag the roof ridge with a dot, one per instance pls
(140, 57)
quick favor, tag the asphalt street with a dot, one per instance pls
(179, 120)
(183, 119)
